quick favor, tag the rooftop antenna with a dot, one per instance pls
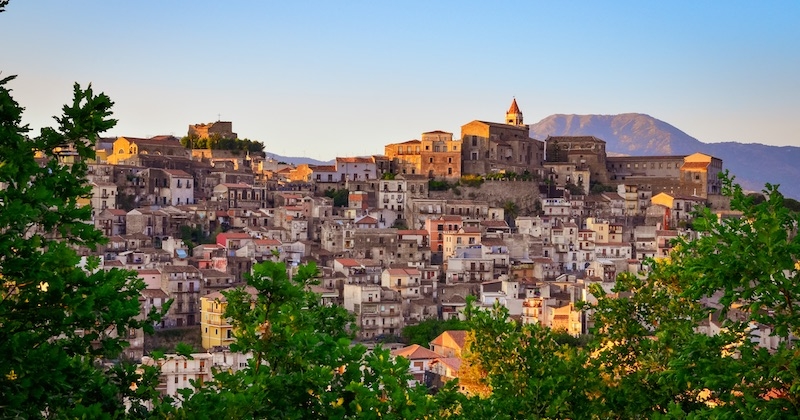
(219, 117)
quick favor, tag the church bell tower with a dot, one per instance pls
(514, 115)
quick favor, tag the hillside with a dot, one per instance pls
(640, 135)
(296, 160)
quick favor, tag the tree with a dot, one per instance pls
(648, 346)
(303, 364)
(400, 224)
(511, 211)
(424, 332)
(59, 313)
(519, 371)
(340, 196)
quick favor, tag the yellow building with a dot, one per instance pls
(214, 327)
(462, 237)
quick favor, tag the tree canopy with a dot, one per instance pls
(216, 142)
(59, 312)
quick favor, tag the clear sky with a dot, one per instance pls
(342, 78)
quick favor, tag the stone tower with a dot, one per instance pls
(514, 115)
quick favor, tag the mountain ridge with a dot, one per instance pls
(639, 134)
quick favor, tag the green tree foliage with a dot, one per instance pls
(510, 212)
(474, 181)
(597, 188)
(194, 235)
(341, 197)
(303, 365)
(574, 189)
(439, 185)
(400, 224)
(424, 332)
(57, 318)
(216, 142)
(649, 356)
(648, 347)
(522, 372)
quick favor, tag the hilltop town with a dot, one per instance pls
(400, 237)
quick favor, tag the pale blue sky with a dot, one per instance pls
(328, 78)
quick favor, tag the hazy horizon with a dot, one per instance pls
(320, 79)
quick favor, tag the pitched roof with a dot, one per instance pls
(154, 293)
(267, 242)
(413, 232)
(454, 363)
(403, 272)
(348, 262)
(458, 336)
(214, 273)
(323, 168)
(415, 352)
(235, 235)
(514, 109)
(369, 220)
(356, 159)
(239, 185)
(177, 172)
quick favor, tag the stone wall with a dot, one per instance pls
(496, 193)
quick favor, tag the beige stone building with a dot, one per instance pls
(489, 147)
(437, 155)
(378, 310)
(585, 152)
(695, 174)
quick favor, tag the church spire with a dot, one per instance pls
(514, 115)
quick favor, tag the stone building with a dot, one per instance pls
(378, 310)
(182, 283)
(695, 174)
(377, 244)
(437, 155)
(489, 147)
(127, 147)
(221, 129)
(394, 194)
(582, 151)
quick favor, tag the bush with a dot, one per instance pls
(474, 181)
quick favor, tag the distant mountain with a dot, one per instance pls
(753, 164)
(298, 160)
